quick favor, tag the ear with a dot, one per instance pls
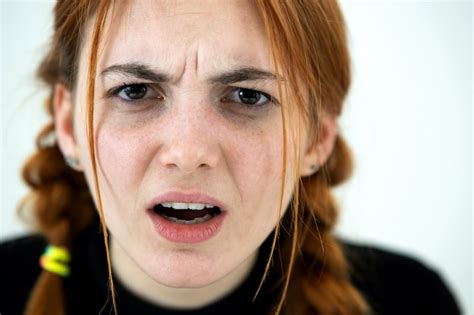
(63, 122)
(317, 153)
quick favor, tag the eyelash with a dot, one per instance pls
(115, 92)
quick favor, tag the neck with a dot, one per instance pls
(142, 285)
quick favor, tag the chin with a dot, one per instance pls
(183, 280)
(180, 282)
(184, 274)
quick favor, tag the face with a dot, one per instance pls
(185, 102)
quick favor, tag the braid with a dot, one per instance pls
(320, 279)
(54, 187)
(59, 204)
(326, 284)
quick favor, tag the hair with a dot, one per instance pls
(309, 49)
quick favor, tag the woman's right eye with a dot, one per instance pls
(136, 92)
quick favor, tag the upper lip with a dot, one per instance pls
(193, 197)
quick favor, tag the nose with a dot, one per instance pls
(189, 143)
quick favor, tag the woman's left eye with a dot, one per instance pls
(248, 97)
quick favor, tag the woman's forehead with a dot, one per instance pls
(208, 36)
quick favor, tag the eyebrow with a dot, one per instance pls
(242, 74)
(143, 71)
(137, 70)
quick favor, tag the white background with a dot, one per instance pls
(408, 119)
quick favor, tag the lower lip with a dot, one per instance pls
(187, 233)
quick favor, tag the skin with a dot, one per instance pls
(184, 136)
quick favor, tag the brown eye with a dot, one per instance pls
(133, 92)
(248, 97)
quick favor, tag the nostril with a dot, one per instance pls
(203, 165)
(190, 155)
(186, 164)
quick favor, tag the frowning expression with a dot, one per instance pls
(186, 111)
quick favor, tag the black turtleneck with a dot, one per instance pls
(391, 282)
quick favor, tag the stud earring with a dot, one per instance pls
(72, 162)
(314, 168)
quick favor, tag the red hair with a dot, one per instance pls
(309, 49)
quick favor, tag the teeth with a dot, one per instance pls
(195, 221)
(196, 206)
(186, 206)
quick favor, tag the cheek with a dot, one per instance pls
(121, 154)
(117, 148)
(258, 167)
(256, 161)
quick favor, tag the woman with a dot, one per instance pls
(201, 140)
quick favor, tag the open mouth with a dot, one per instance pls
(186, 213)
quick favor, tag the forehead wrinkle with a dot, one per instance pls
(196, 58)
(193, 53)
(181, 74)
(172, 8)
(191, 62)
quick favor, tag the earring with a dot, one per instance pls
(72, 162)
(314, 168)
